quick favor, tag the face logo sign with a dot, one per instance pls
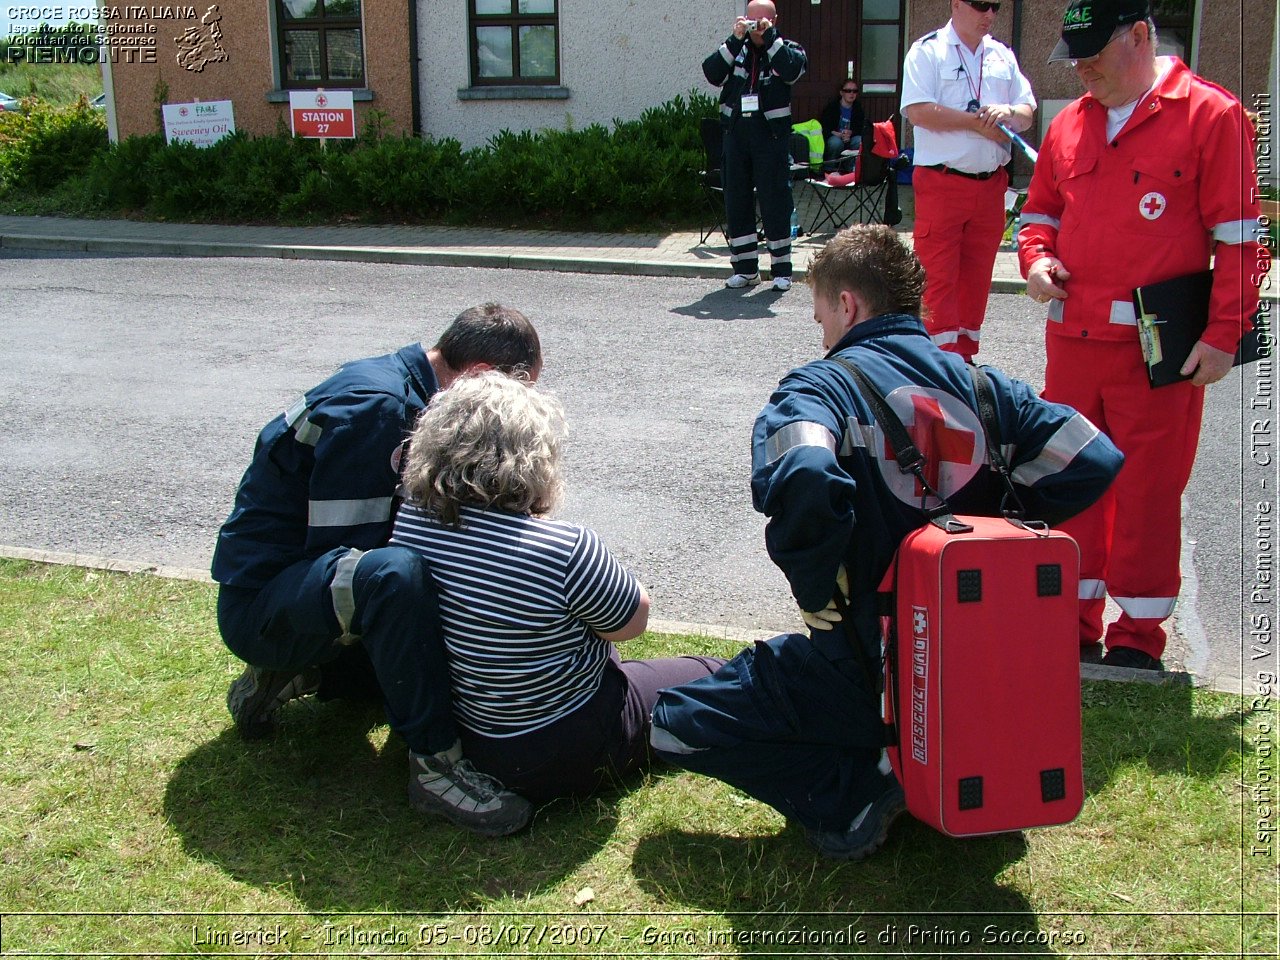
(397, 456)
(946, 431)
(1152, 206)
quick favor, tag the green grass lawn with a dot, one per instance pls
(60, 84)
(136, 822)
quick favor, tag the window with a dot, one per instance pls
(321, 43)
(881, 46)
(1174, 20)
(514, 42)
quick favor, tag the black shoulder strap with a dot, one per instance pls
(909, 458)
(1012, 505)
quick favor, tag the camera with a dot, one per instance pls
(750, 25)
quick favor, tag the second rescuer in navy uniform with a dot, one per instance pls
(754, 70)
(794, 721)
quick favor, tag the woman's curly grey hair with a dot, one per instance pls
(490, 440)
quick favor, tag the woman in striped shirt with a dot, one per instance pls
(530, 607)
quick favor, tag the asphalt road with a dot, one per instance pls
(136, 386)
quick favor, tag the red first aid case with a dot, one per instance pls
(982, 680)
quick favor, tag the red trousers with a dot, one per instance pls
(1130, 539)
(959, 226)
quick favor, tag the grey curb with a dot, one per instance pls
(711, 270)
(517, 261)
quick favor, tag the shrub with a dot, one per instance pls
(41, 145)
(114, 181)
(637, 173)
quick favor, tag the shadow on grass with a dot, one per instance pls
(1155, 726)
(924, 892)
(723, 304)
(921, 893)
(320, 812)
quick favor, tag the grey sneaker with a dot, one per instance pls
(257, 695)
(869, 829)
(740, 280)
(446, 785)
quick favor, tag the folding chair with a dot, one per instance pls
(870, 194)
(712, 184)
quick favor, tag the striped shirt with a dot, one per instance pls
(521, 599)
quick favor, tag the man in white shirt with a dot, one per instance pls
(959, 87)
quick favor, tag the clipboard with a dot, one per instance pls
(1172, 316)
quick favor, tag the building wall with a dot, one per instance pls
(617, 58)
(248, 74)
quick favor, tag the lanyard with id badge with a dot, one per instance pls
(750, 99)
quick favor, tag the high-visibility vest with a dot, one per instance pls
(812, 131)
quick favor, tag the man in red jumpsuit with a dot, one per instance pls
(1138, 181)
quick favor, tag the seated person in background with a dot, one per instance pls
(530, 607)
(842, 121)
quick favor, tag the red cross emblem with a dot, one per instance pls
(321, 99)
(1152, 206)
(945, 431)
(937, 441)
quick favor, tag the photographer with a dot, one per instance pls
(754, 69)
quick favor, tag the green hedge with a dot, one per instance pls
(639, 173)
(41, 146)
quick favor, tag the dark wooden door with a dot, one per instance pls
(835, 33)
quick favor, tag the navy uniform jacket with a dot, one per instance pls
(324, 474)
(778, 64)
(823, 473)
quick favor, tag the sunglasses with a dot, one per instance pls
(983, 7)
(849, 90)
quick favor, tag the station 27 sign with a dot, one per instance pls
(323, 114)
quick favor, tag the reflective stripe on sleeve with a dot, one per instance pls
(724, 53)
(726, 110)
(1092, 589)
(778, 113)
(1236, 231)
(296, 412)
(857, 435)
(801, 433)
(348, 513)
(773, 47)
(343, 595)
(1029, 218)
(1146, 608)
(304, 430)
(1067, 441)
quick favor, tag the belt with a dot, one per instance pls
(943, 168)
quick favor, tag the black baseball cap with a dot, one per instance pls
(1087, 26)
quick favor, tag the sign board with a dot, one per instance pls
(201, 123)
(326, 114)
